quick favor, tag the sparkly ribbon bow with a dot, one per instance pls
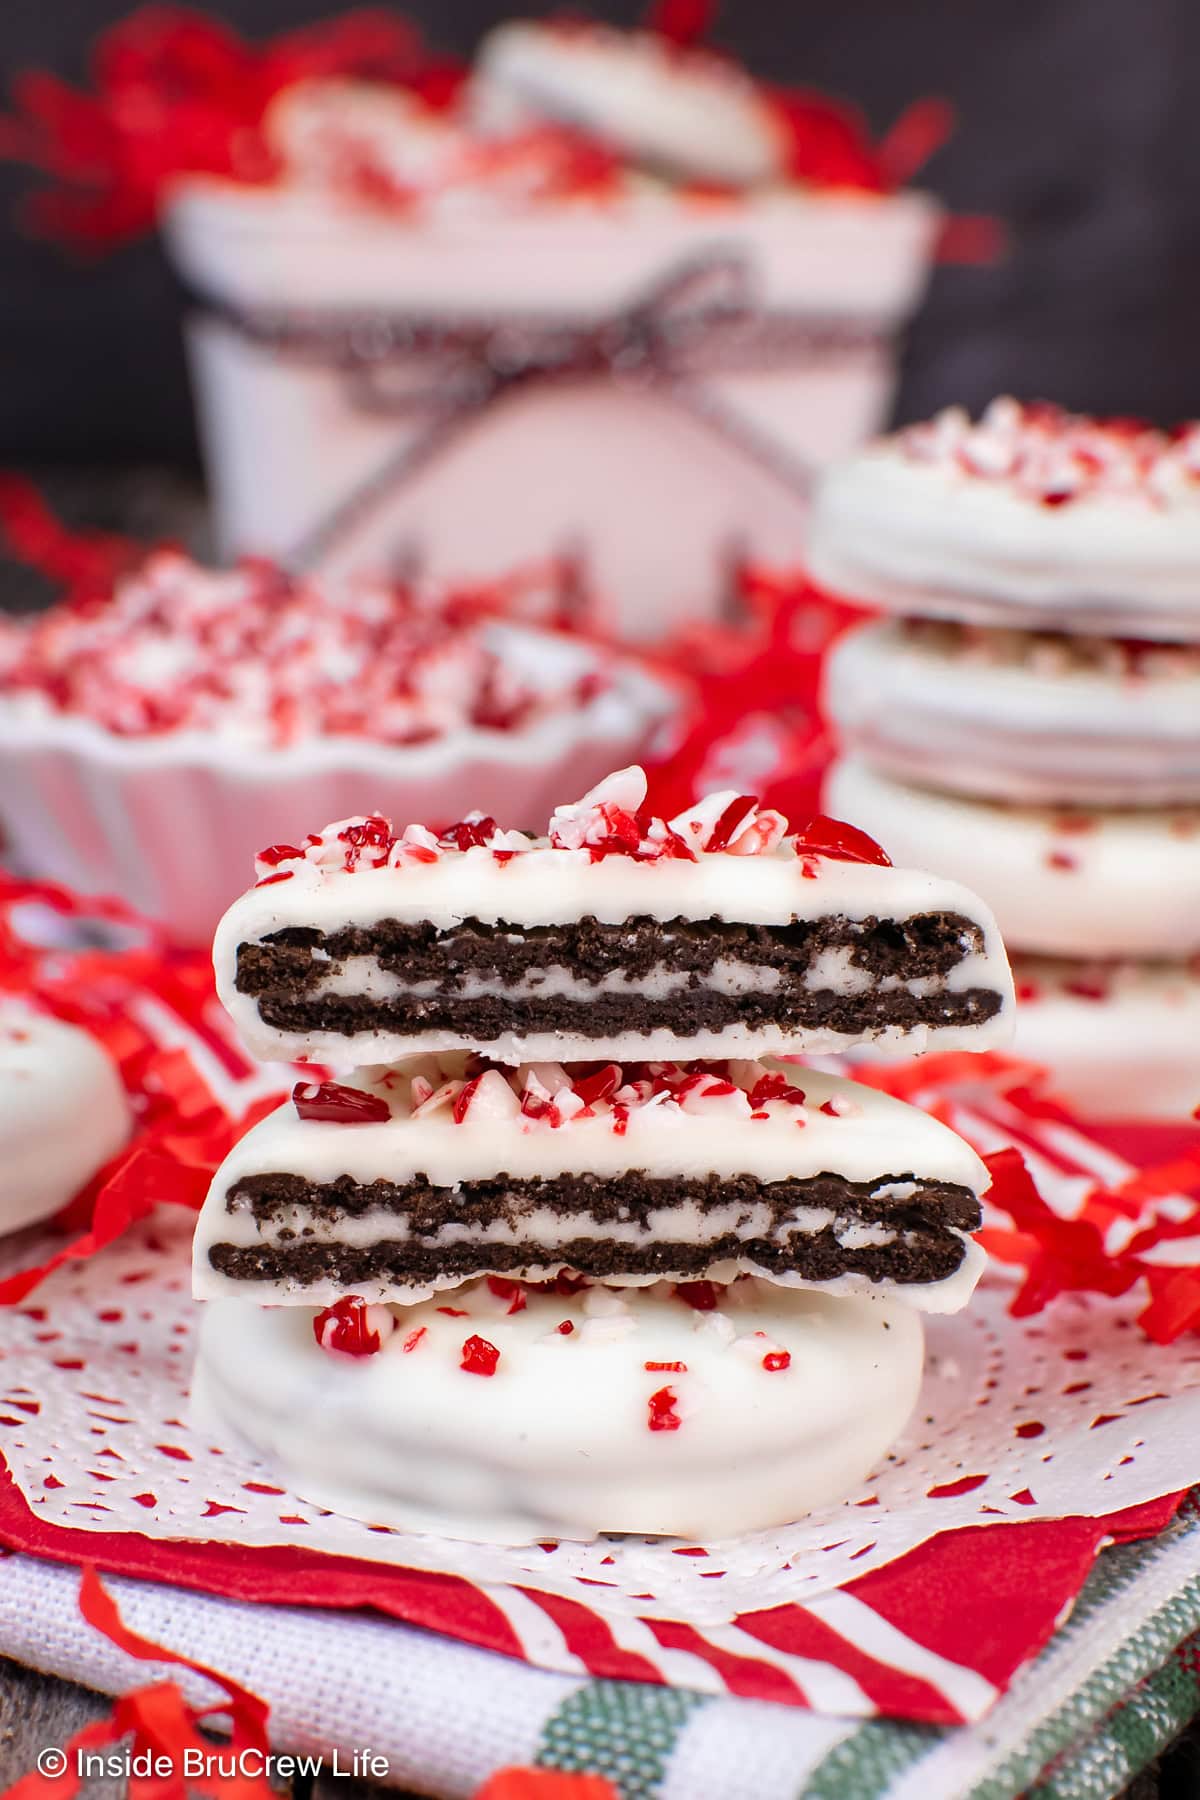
(698, 319)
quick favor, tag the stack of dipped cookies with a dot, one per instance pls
(1028, 717)
(568, 1249)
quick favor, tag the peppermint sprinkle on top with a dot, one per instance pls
(468, 1090)
(1054, 457)
(611, 820)
(253, 655)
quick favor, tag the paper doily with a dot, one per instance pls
(1072, 1414)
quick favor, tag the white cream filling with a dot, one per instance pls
(361, 976)
(832, 970)
(542, 1227)
(544, 1233)
(947, 1295)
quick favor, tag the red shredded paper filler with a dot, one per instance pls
(181, 1132)
(174, 92)
(158, 1720)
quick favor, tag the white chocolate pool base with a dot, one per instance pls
(557, 1443)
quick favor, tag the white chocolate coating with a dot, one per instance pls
(1127, 885)
(1013, 716)
(63, 1113)
(557, 1442)
(1120, 1041)
(918, 525)
(682, 113)
(867, 1139)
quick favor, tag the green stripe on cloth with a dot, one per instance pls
(625, 1730)
(863, 1767)
(1131, 1736)
(1120, 1716)
(1141, 1657)
(866, 1764)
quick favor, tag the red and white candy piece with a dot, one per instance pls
(610, 820)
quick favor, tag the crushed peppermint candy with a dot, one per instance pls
(610, 820)
(382, 148)
(662, 1414)
(470, 1090)
(1053, 457)
(328, 1103)
(352, 1328)
(505, 1289)
(417, 156)
(701, 1296)
(479, 1357)
(269, 660)
(825, 839)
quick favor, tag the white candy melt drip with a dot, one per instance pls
(1070, 1413)
(740, 1118)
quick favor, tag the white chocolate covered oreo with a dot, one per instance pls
(1085, 883)
(1120, 1041)
(1037, 718)
(680, 112)
(570, 1415)
(389, 1189)
(1030, 518)
(573, 1286)
(618, 935)
(63, 1113)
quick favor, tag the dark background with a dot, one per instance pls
(1078, 125)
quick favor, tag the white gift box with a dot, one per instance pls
(647, 386)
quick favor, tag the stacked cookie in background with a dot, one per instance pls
(1028, 717)
(532, 1267)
